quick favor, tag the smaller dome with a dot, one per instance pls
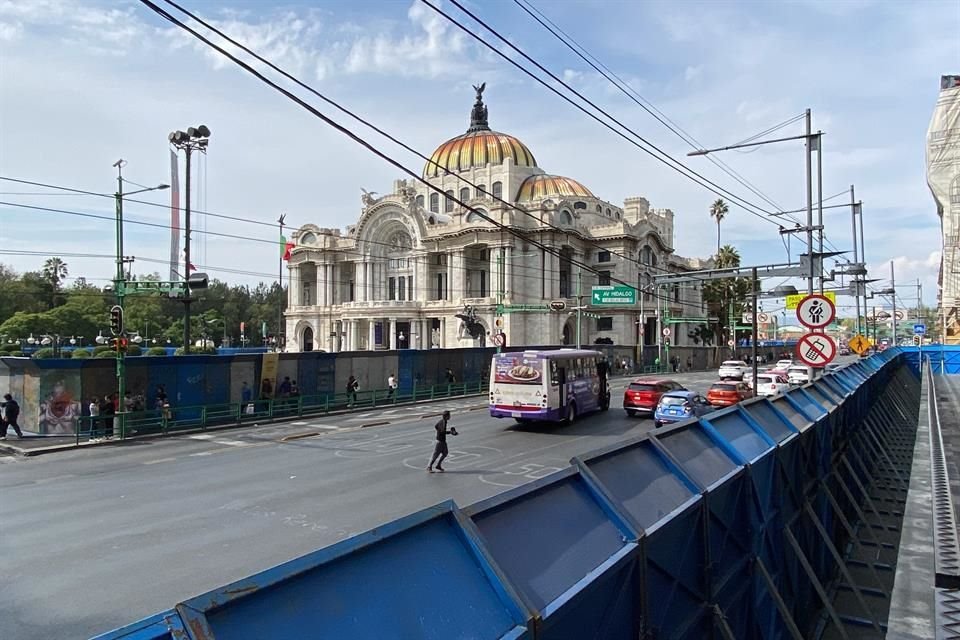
(547, 186)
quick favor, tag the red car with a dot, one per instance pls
(643, 394)
(726, 393)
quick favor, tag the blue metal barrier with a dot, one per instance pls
(732, 526)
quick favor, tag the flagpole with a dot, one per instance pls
(283, 242)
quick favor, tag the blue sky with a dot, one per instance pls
(85, 83)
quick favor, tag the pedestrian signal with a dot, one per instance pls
(116, 319)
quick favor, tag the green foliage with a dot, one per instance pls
(156, 351)
(103, 348)
(79, 354)
(725, 298)
(16, 354)
(134, 350)
(43, 354)
(106, 354)
(195, 351)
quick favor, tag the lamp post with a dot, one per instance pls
(223, 340)
(120, 283)
(193, 139)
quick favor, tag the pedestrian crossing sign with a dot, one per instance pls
(858, 344)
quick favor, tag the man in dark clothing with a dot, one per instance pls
(450, 377)
(440, 451)
(352, 385)
(107, 411)
(284, 389)
(11, 411)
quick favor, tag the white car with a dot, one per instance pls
(798, 374)
(783, 364)
(733, 369)
(769, 384)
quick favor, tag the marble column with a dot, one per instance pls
(321, 292)
(393, 334)
(508, 272)
(354, 335)
(443, 333)
(448, 292)
(371, 334)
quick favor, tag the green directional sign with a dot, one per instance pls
(620, 294)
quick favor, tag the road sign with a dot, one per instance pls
(858, 344)
(499, 339)
(794, 300)
(816, 311)
(816, 349)
(558, 305)
(900, 314)
(608, 295)
(920, 329)
(730, 343)
(666, 332)
(762, 318)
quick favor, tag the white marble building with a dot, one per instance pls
(415, 258)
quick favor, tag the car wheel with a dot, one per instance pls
(631, 412)
(522, 420)
(657, 424)
(572, 412)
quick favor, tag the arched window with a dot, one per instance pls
(474, 216)
(464, 194)
(646, 256)
(579, 205)
(497, 189)
(420, 202)
(448, 202)
(608, 211)
(435, 202)
(308, 239)
(618, 215)
(481, 190)
(566, 218)
(599, 209)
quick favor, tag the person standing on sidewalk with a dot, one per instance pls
(391, 386)
(11, 411)
(440, 450)
(352, 385)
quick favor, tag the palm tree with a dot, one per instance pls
(54, 271)
(719, 210)
(727, 257)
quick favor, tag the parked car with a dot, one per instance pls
(675, 406)
(643, 394)
(798, 374)
(726, 393)
(733, 369)
(783, 364)
(844, 350)
(770, 384)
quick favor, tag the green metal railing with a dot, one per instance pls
(235, 414)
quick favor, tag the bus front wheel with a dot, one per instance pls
(571, 412)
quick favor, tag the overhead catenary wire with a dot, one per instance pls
(367, 145)
(365, 122)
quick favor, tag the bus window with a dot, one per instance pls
(554, 375)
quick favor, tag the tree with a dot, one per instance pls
(718, 211)
(726, 298)
(55, 271)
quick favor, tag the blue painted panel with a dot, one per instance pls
(699, 456)
(406, 367)
(791, 413)
(162, 626)
(217, 381)
(640, 479)
(737, 431)
(806, 403)
(307, 373)
(420, 582)
(822, 395)
(566, 535)
(776, 425)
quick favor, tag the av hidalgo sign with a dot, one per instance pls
(620, 294)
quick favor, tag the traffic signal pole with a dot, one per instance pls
(120, 288)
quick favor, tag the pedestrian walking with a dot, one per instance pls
(391, 386)
(10, 413)
(450, 377)
(352, 385)
(440, 450)
(676, 364)
(689, 363)
(94, 409)
(107, 410)
(284, 389)
(294, 389)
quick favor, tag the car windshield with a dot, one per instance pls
(637, 386)
(801, 370)
(675, 401)
(734, 363)
(766, 379)
(723, 387)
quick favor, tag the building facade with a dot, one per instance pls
(943, 177)
(482, 253)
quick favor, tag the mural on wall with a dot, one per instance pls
(268, 374)
(60, 407)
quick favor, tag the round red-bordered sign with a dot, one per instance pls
(816, 311)
(816, 349)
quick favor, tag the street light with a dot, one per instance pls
(193, 139)
(223, 341)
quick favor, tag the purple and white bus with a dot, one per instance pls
(552, 386)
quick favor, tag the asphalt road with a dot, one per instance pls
(95, 539)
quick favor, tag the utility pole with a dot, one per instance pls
(498, 323)
(753, 331)
(856, 278)
(641, 329)
(820, 202)
(579, 301)
(280, 327)
(120, 286)
(809, 163)
(893, 287)
(863, 259)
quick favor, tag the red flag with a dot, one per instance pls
(286, 247)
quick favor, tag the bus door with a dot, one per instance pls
(558, 381)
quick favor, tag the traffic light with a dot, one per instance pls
(116, 320)
(917, 341)
(120, 344)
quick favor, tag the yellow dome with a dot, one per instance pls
(547, 186)
(477, 149)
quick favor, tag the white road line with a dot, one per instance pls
(325, 426)
(203, 436)
(233, 443)
(159, 461)
(201, 453)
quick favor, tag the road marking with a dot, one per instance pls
(201, 453)
(300, 424)
(203, 436)
(298, 436)
(233, 443)
(159, 461)
(325, 426)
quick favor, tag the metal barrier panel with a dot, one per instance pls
(162, 626)
(423, 576)
(570, 539)
(700, 457)
(217, 381)
(786, 408)
(776, 425)
(745, 436)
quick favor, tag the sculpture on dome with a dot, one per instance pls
(469, 324)
(478, 116)
(368, 197)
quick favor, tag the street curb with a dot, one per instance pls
(374, 424)
(298, 436)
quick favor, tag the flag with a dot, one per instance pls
(174, 216)
(286, 247)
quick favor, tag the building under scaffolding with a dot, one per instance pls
(943, 176)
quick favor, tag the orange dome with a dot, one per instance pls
(547, 186)
(477, 149)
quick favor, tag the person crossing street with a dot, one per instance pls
(440, 450)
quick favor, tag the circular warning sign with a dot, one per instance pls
(730, 343)
(816, 311)
(666, 332)
(500, 339)
(816, 349)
